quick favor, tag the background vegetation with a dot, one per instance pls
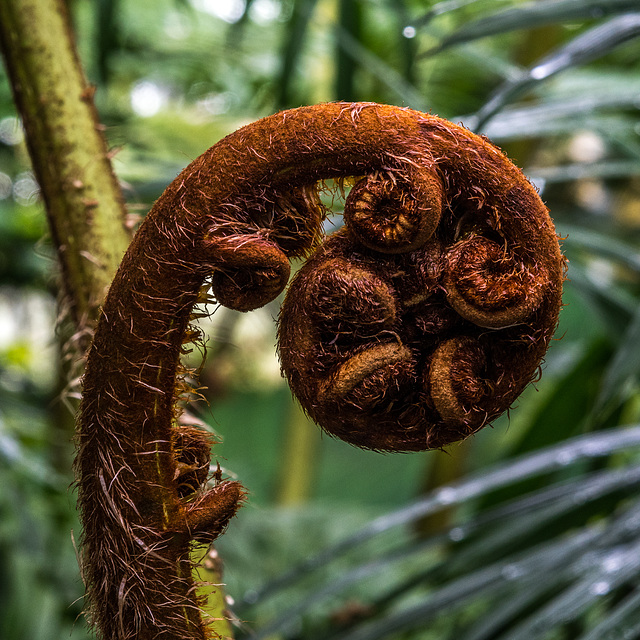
(529, 530)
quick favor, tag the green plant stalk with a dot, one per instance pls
(209, 571)
(350, 24)
(72, 164)
(69, 154)
(299, 459)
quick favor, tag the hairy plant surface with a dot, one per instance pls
(413, 326)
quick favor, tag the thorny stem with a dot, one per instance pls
(414, 326)
(68, 152)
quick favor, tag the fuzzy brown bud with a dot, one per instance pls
(414, 326)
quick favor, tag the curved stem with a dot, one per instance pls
(235, 215)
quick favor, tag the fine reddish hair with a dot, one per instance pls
(415, 325)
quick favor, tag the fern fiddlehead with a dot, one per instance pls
(413, 326)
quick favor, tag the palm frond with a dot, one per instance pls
(525, 16)
(593, 44)
(541, 548)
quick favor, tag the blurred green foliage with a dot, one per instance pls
(516, 552)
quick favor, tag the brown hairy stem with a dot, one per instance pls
(387, 337)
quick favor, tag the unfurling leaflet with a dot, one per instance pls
(414, 325)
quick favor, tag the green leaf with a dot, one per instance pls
(573, 571)
(594, 445)
(588, 46)
(611, 303)
(292, 49)
(349, 30)
(606, 246)
(613, 169)
(532, 15)
(623, 367)
(579, 101)
(565, 410)
(525, 557)
(586, 592)
(622, 622)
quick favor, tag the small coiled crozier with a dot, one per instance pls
(415, 325)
